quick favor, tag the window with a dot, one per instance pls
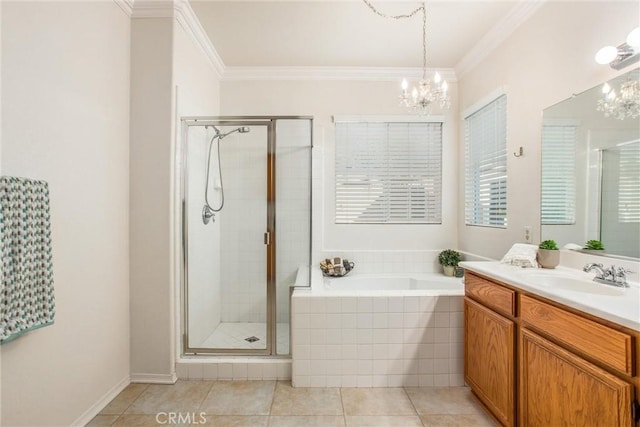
(558, 205)
(388, 172)
(486, 165)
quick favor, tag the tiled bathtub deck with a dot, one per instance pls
(276, 403)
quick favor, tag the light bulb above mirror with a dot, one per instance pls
(624, 54)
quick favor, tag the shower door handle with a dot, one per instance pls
(267, 238)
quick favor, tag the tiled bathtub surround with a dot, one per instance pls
(393, 261)
(377, 341)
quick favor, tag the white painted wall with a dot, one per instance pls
(322, 100)
(546, 60)
(170, 78)
(197, 94)
(65, 119)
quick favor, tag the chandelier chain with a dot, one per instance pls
(384, 15)
(427, 92)
(422, 9)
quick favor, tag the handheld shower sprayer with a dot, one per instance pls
(208, 212)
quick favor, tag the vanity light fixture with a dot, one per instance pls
(625, 54)
(421, 97)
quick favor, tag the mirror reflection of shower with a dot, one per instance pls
(208, 212)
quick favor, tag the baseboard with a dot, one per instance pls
(154, 378)
(95, 409)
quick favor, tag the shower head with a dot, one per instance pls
(242, 129)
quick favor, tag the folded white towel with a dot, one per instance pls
(522, 255)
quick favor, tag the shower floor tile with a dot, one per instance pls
(234, 334)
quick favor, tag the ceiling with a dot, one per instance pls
(345, 33)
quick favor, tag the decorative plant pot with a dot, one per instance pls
(548, 258)
(448, 270)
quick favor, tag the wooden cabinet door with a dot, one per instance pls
(558, 388)
(489, 348)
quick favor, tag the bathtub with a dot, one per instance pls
(378, 330)
(384, 284)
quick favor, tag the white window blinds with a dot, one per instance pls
(558, 203)
(388, 172)
(629, 183)
(486, 165)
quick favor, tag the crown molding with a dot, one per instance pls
(188, 20)
(126, 6)
(181, 11)
(153, 9)
(332, 73)
(518, 15)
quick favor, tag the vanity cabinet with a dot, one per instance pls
(559, 388)
(489, 361)
(534, 362)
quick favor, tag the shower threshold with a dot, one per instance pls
(239, 335)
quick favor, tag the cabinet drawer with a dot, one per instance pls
(490, 294)
(611, 347)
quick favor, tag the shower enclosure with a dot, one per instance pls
(246, 231)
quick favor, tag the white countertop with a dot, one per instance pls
(622, 307)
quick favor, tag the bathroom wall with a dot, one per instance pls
(170, 78)
(152, 138)
(546, 60)
(322, 99)
(65, 119)
(197, 94)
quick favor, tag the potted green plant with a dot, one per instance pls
(548, 254)
(449, 260)
(594, 245)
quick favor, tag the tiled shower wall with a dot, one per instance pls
(244, 218)
(242, 224)
(377, 341)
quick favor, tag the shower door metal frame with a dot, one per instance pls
(271, 300)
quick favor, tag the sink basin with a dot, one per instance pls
(568, 283)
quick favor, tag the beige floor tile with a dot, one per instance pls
(376, 401)
(306, 421)
(457, 421)
(444, 400)
(155, 420)
(239, 398)
(183, 396)
(384, 421)
(102, 420)
(305, 401)
(234, 421)
(123, 400)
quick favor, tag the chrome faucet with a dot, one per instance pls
(609, 276)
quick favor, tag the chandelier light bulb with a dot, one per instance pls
(606, 88)
(405, 85)
(633, 39)
(611, 96)
(445, 86)
(436, 78)
(606, 55)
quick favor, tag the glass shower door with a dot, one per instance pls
(226, 266)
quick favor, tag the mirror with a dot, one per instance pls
(591, 172)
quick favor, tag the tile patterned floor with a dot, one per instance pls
(277, 404)
(233, 334)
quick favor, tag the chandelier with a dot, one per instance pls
(428, 92)
(620, 105)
